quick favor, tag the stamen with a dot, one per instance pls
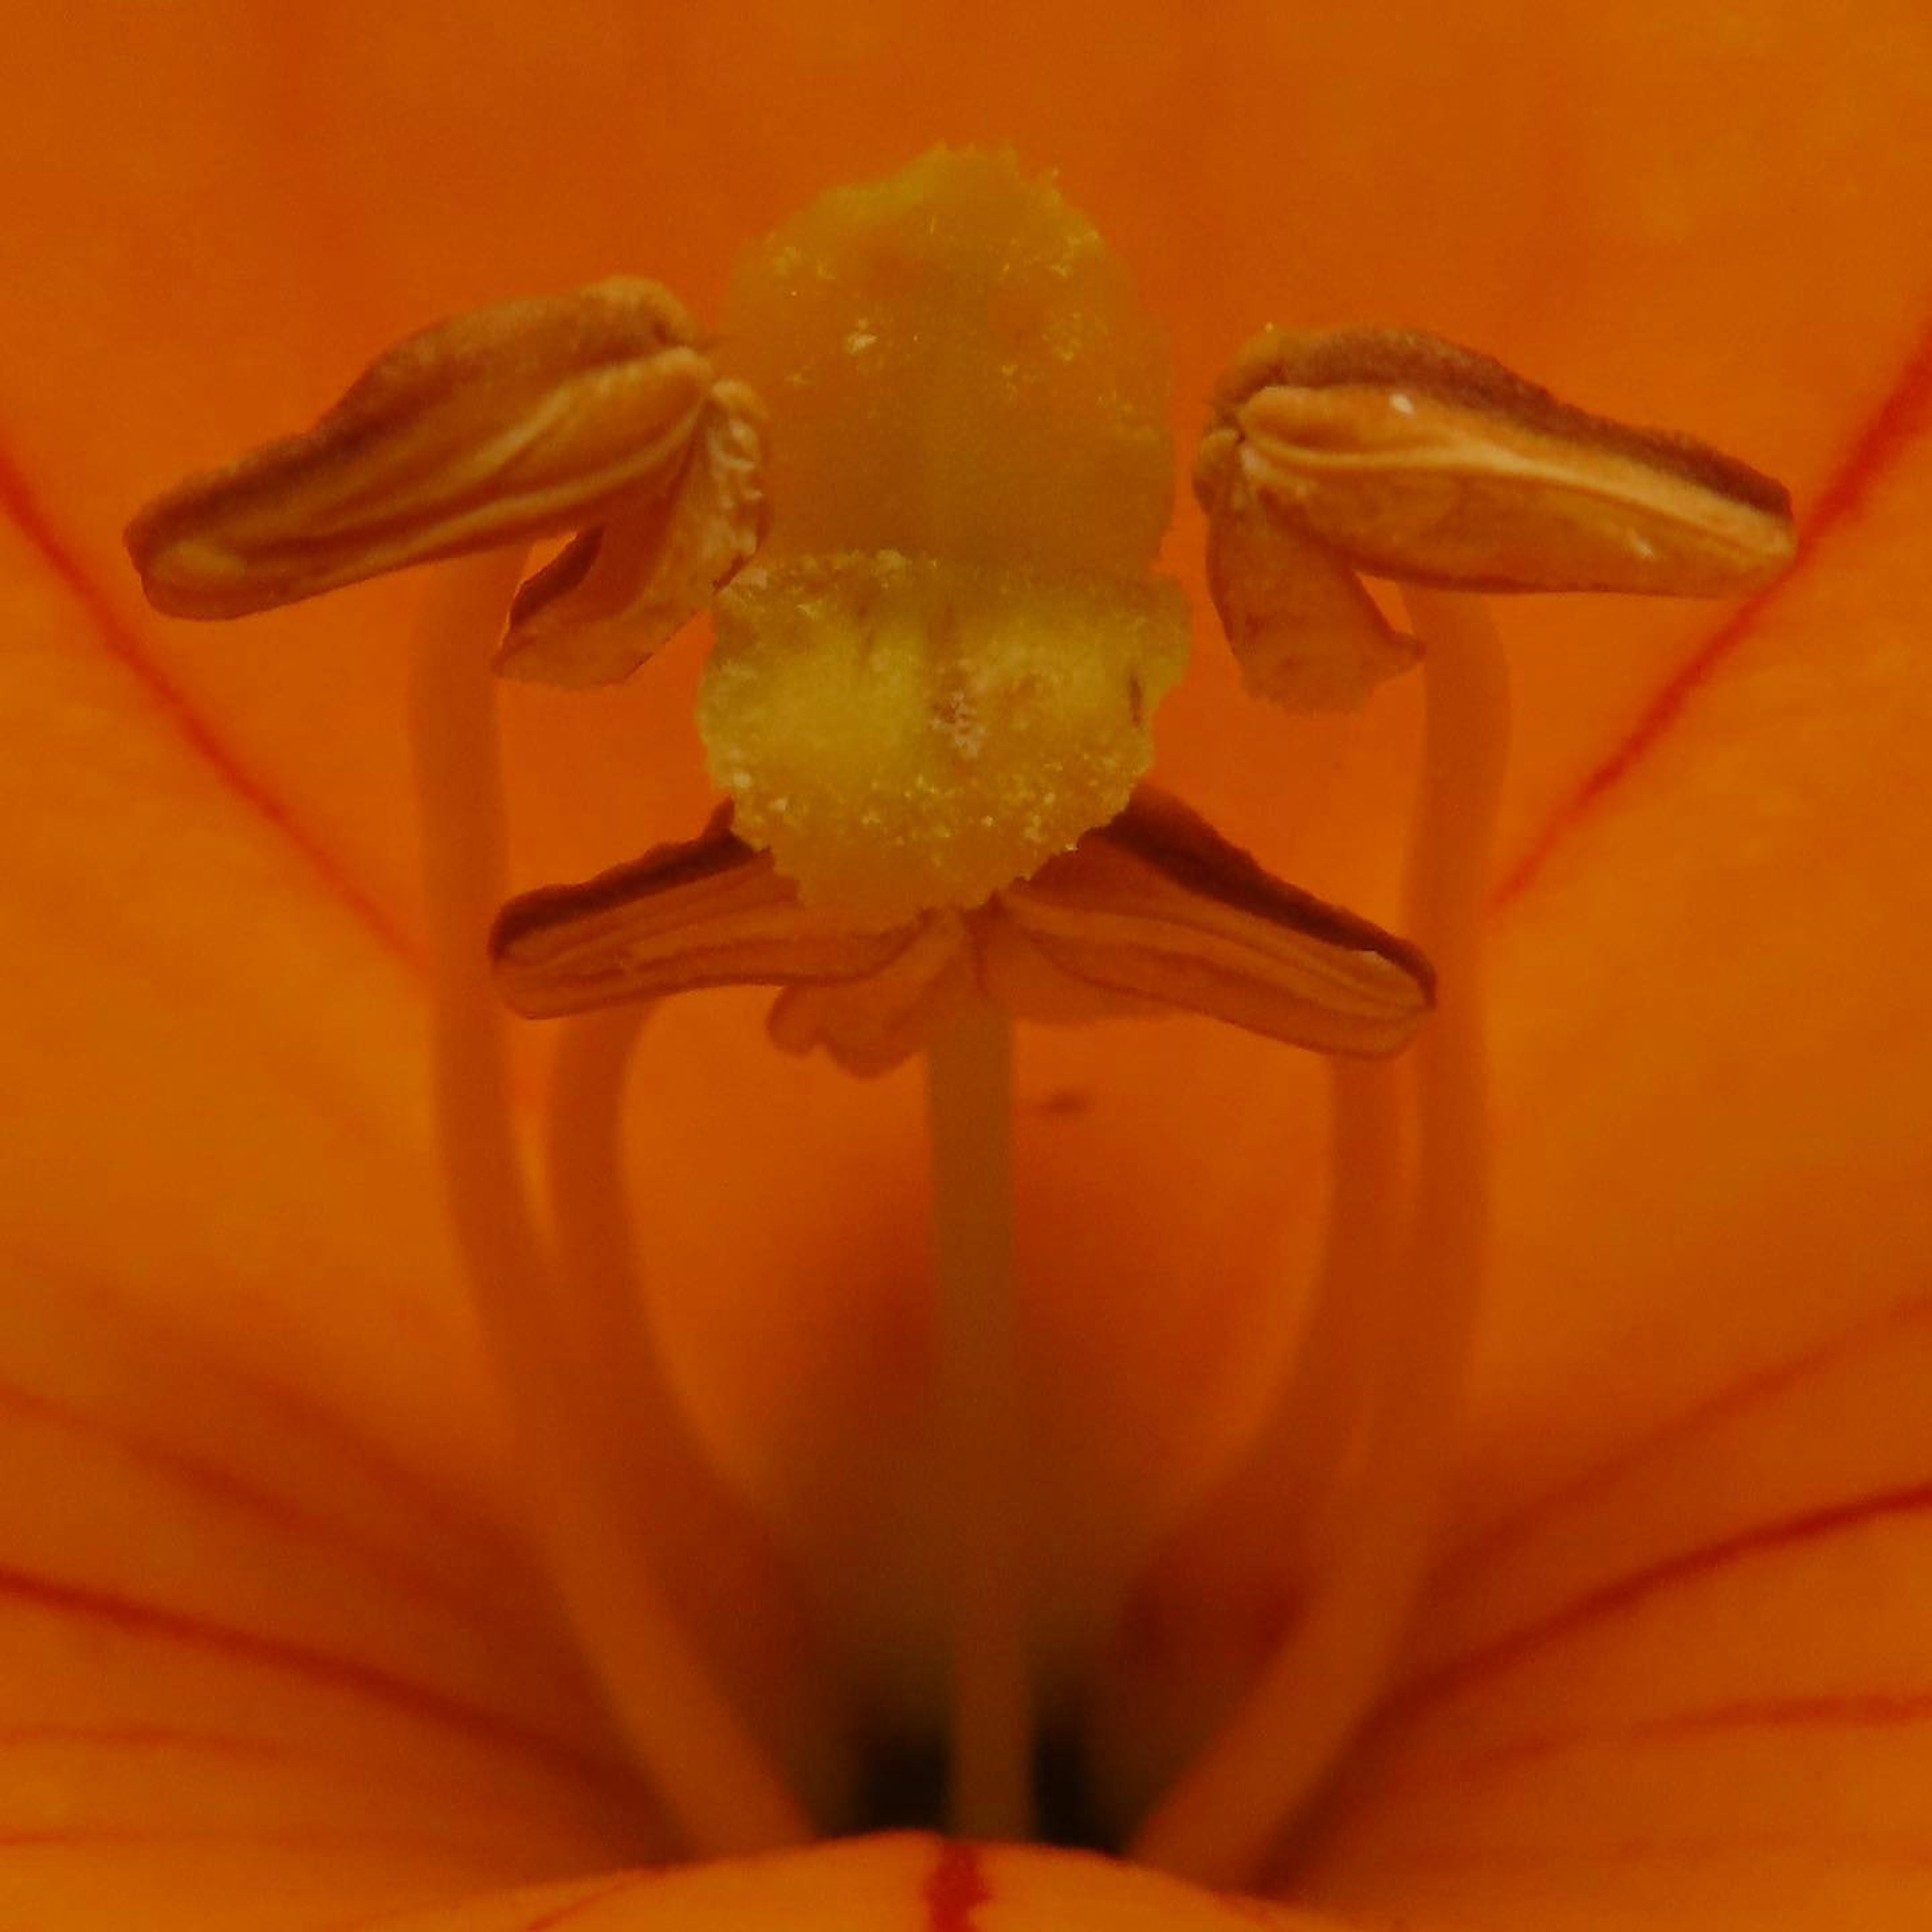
(527, 419)
(1158, 906)
(969, 1088)
(725, 1794)
(709, 912)
(1305, 632)
(870, 1025)
(1153, 910)
(620, 591)
(724, 1571)
(1405, 457)
(1208, 1610)
(1417, 459)
(1218, 1821)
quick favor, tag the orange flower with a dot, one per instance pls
(274, 1665)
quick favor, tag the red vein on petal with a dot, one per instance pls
(215, 1483)
(75, 1837)
(1858, 1711)
(1256, 1911)
(563, 1914)
(1904, 415)
(1520, 1646)
(142, 1737)
(1875, 1710)
(290, 1406)
(1722, 1405)
(955, 1888)
(1603, 1856)
(129, 1618)
(264, 1754)
(20, 504)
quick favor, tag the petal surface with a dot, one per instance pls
(265, 1621)
(1633, 186)
(1679, 1667)
(1620, 221)
(898, 1884)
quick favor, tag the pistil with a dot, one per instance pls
(969, 1099)
(723, 1791)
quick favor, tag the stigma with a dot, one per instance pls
(945, 668)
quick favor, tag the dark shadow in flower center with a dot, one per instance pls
(902, 1786)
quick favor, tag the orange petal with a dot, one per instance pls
(1700, 1674)
(263, 1618)
(1681, 1661)
(1155, 905)
(1632, 185)
(873, 1885)
(251, 1652)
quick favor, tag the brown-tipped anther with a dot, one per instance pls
(711, 912)
(1154, 910)
(871, 1025)
(618, 592)
(1304, 631)
(1412, 459)
(527, 419)
(1156, 906)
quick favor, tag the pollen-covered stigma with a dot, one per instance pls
(919, 483)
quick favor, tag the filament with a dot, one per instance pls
(969, 1093)
(693, 1524)
(1218, 1822)
(713, 1777)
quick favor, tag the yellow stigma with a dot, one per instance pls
(943, 668)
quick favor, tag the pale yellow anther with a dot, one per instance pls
(1406, 457)
(528, 419)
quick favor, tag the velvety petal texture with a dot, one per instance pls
(266, 1629)
(286, 1668)
(898, 1884)
(1681, 1663)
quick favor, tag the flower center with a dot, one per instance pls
(930, 700)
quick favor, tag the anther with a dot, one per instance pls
(588, 411)
(1157, 906)
(1153, 911)
(1406, 457)
(620, 590)
(710, 912)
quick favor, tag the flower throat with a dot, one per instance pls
(921, 484)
